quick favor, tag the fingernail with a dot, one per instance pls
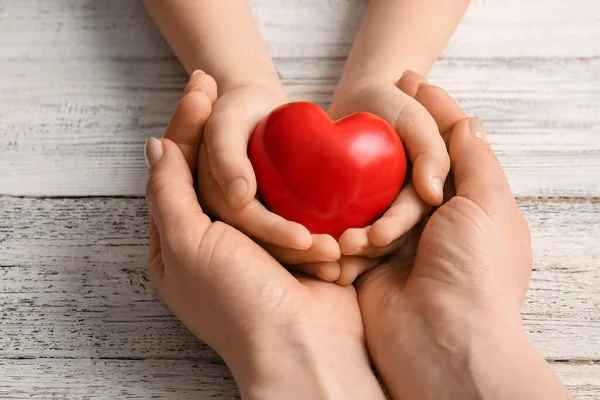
(153, 151)
(437, 185)
(198, 89)
(198, 71)
(237, 190)
(477, 128)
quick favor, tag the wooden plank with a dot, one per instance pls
(115, 379)
(313, 28)
(73, 282)
(77, 127)
(582, 380)
(182, 379)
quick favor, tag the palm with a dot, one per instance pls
(255, 293)
(440, 260)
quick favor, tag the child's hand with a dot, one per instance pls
(426, 150)
(227, 184)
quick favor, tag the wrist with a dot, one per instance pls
(270, 85)
(446, 350)
(348, 98)
(300, 365)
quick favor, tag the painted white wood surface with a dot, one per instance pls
(74, 291)
(84, 82)
(166, 379)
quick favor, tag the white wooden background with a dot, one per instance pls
(84, 82)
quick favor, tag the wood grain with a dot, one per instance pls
(45, 379)
(77, 127)
(311, 28)
(73, 282)
(83, 83)
(182, 379)
(191, 379)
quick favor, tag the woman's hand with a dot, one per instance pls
(283, 336)
(442, 315)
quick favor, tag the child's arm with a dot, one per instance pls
(395, 36)
(222, 38)
(219, 37)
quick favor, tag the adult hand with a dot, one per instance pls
(442, 316)
(282, 336)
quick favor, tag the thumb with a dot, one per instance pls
(170, 194)
(478, 174)
(226, 137)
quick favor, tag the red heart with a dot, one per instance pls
(328, 176)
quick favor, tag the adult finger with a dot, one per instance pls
(444, 110)
(200, 79)
(477, 172)
(187, 124)
(170, 194)
(410, 82)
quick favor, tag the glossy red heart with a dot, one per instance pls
(328, 176)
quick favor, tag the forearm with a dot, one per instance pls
(397, 35)
(300, 365)
(219, 37)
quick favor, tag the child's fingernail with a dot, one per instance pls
(198, 89)
(477, 128)
(237, 190)
(153, 151)
(437, 184)
(198, 71)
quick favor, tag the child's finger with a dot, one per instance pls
(203, 80)
(328, 271)
(352, 266)
(405, 212)
(253, 219)
(324, 249)
(355, 242)
(226, 136)
(187, 124)
(420, 135)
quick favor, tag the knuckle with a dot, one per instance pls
(196, 102)
(157, 186)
